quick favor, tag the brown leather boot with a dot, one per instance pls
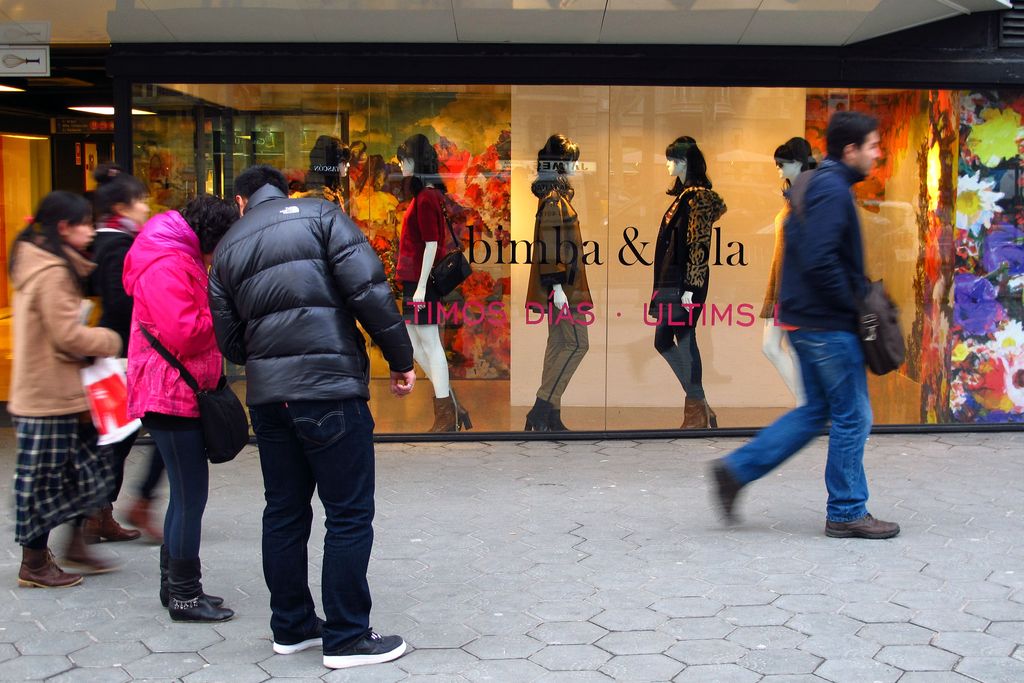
(80, 557)
(444, 415)
(695, 414)
(140, 516)
(39, 570)
(110, 530)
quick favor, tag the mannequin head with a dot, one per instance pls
(419, 161)
(694, 170)
(558, 156)
(328, 161)
(793, 158)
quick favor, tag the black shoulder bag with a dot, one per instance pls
(221, 415)
(453, 269)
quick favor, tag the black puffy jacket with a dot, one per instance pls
(289, 282)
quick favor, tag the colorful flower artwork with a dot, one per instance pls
(987, 359)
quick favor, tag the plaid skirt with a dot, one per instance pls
(61, 473)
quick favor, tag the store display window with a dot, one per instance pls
(623, 239)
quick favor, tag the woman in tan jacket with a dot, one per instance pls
(60, 475)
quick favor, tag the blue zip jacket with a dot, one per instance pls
(823, 265)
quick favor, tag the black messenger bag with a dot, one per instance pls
(878, 326)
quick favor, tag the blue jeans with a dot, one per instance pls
(326, 446)
(188, 476)
(832, 365)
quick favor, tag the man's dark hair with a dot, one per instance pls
(848, 128)
(210, 218)
(255, 177)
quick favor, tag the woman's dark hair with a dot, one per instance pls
(685, 149)
(426, 166)
(848, 128)
(43, 230)
(115, 186)
(552, 160)
(210, 218)
(796, 149)
(325, 161)
(255, 177)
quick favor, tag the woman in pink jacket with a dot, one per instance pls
(165, 274)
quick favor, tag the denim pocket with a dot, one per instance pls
(318, 423)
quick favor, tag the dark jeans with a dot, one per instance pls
(118, 453)
(832, 366)
(327, 446)
(188, 474)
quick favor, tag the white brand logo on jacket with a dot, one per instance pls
(290, 209)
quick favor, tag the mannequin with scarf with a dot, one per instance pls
(792, 159)
(328, 164)
(681, 274)
(558, 280)
(121, 205)
(424, 227)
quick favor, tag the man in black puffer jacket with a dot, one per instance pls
(288, 284)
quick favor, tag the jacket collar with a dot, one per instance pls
(851, 175)
(265, 194)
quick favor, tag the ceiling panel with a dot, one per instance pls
(896, 15)
(72, 22)
(677, 21)
(422, 23)
(814, 27)
(529, 21)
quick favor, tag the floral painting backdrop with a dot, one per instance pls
(987, 360)
(471, 134)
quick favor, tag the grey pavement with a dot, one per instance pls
(590, 561)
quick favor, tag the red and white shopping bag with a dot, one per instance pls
(107, 392)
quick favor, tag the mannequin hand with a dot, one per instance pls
(402, 383)
(558, 297)
(687, 298)
(420, 294)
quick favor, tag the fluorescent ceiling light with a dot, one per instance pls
(10, 88)
(109, 111)
(26, 137)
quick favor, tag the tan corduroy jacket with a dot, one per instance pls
(50, 343)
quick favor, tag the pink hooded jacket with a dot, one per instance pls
(165, 275)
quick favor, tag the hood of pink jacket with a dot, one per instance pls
(165, 235)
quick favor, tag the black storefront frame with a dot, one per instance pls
(968, 56)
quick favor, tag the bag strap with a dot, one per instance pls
(456, 242)
(169, 357)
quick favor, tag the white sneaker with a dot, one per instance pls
(372, 648)
(282, 649)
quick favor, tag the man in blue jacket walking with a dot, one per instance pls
(822, 280)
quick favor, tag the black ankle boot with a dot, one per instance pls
(164, 594)
(555, 423)
(187, 602)
(537, 418)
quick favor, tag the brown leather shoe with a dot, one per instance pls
(697, 414)
(727, 490)
(111, 531)
(865, 527)
(140, 516)
(79, 555)
(40, 570)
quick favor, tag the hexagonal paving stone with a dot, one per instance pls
(636, 642)
(132, 628)
(53, 643)
(876, 612)
(742, 595)
(502, 623)
(934, 677)
(857, 671)
(642, 668)
(805, 604)
(503, 670)
(755, 615)
(33, 667)
(165, 665)
(91, 675)
(697, 628)
(917, 658)
(568, 633)
(436, 661)
(12, 631)
(440, 636)
(8, 651)
(573, 677)
(779, 661)
(503, 647)
(1008, 630)
(688, 607)
(824, 624)
(564, 610)
(695, 652)
(378, 673)
(896, 634)
(236, 673)
(973, 644)
(183, 638)
(996, 610)
(719, 673)
(238, 651)
(845, 646)
(570, 657)
(948, 620)
(109, 654)
(992, 669)
(629, 619)
(766, 637)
